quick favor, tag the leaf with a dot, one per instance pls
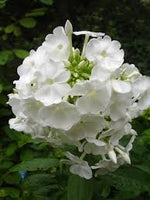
(26, 154)
(47, 2)
(125, 195)
(35, 164)
(4, 165)
(17, 31)
(24, 139)
(38, 180)
(20, 53)
(13, 178)
(79, 188)
(39, 197)
(128, 179)
(21, 138)
(28, 22)
(5, 56)
(105, 191)
(45, 190)
(36, 12)
(9, 29)
(144, 168)
(11, 192)
(11, 149)
(2, 3)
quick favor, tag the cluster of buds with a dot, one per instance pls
(84, 98)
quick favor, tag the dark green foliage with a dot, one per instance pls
(79, 188)
(35, 164)
(47, 2)
(23, 26)
(27, 22)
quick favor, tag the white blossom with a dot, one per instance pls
(79, 166)
(85, 99)
(51, 83)
(88, 126)
(57, 45)
(61, 116)
(95, 147)
(106, 52)
(95, 96)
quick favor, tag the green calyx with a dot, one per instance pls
(79, 67)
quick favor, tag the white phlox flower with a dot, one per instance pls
(57, 45)
(58, 115)
(88, 126)
(141, 90)
(105, 166)
(51, 83)
(95, 96)
(95, 147)
(79, 166)
(106, 52)
(85, 98)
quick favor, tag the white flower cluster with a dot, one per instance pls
(86, 99)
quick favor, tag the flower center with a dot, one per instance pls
(60, 46)
(104, 54)
(49, 81)
(79, 67)
(92, 93)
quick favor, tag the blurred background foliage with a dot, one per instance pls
(32, 169)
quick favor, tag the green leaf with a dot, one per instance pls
(47, 2)
(11, 192)
(105, 191)
(39, 197)
(35, 164)
(21, 138)
(20, 53)
(125, 195)
(17, 31)
(5, 56)
(79, 188)
(13, 178)
(4, 165)
(36, 12)
(11, 148)
(38, 180)
(2, 3)
(144, 168)
(44, 190)
(129, 179)
(26, 154)
(28, 22)
(9, 29)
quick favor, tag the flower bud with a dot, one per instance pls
(112, 156)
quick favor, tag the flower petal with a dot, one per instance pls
(61, 116)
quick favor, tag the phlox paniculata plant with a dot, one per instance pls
(85, 98)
